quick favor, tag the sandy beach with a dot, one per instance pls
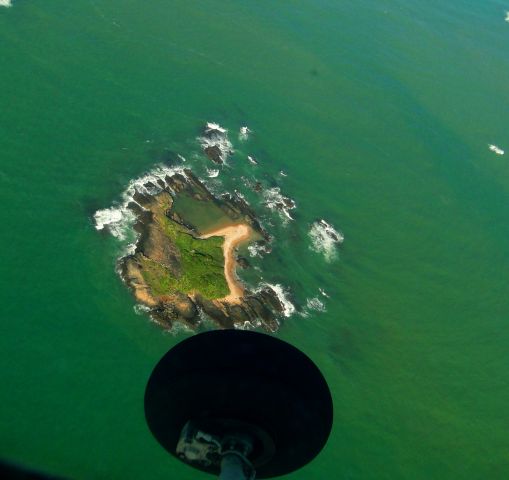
(233, 235)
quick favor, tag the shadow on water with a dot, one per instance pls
(343, 347)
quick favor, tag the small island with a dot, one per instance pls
(181, 269)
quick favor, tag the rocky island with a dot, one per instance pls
(179, 270)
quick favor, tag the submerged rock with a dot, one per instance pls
(243, 262)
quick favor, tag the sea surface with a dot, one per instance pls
(380, 113)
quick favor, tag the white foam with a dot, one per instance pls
(324, 293)
(312, 304)
(507, 16)
(247, 325)
(130, 249)
(212, 173)
(140, 309)
(214, 127)
(283, 174)
(255, 250)
(244, 133)
(119, 219)
(315, 304)
(276, 201)
(252, 160)
(258, 249)
(496, 149)
(6, 3)
(282, 295)
(325, 239)
(158, 173)
(216, 136)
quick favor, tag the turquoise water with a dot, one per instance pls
(379, 112)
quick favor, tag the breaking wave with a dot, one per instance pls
(282, 295)
(276, 201)
(141, 309)
(325, 239)
(6, 3)
(119, 219)
(248, 325)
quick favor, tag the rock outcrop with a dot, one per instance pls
(215, 143)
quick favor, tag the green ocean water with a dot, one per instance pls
(379, 112)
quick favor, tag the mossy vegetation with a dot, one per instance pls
(201, 262)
